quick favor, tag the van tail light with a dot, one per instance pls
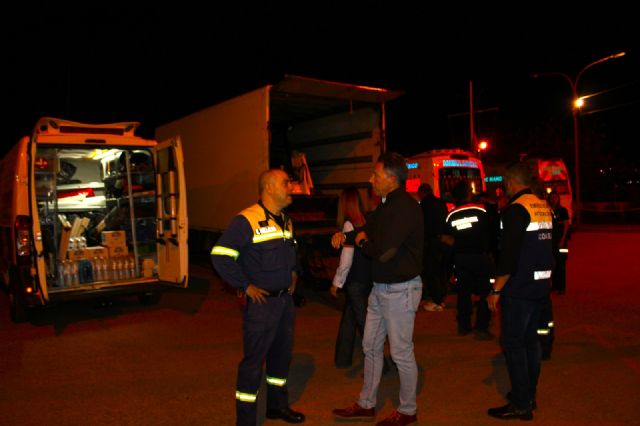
(23, 236)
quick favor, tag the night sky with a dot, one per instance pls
(129, 63)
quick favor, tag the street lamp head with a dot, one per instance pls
(579, 102)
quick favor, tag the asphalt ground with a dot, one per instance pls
(175, 363)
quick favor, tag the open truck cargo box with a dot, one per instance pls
(340, 129)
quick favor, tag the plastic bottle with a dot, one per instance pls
(91, 266)
(59, 274)
(100, 269)
(114, 270)
(75, 277)
(120, 269)
(66, 272)
(132, 268)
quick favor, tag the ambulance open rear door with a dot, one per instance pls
(172, 222)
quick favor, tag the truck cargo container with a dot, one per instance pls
(327, 135)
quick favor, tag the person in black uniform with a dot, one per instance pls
(522, 287)
(257, 255)
(468, 232)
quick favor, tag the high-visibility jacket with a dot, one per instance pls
(532, 277)
(256, 250)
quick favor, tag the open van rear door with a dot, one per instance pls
(172, 221)
(39, 259)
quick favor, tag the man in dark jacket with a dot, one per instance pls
(393, 239)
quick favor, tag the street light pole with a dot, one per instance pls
(576, 138)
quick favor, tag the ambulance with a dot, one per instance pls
(91, 210)
(554, 177)
(442, 169)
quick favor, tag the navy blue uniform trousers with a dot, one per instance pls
(473, 272)
(520, 320)
(267, 335)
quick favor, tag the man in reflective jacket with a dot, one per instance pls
(257, 254)
(468, 227)
(522, 287)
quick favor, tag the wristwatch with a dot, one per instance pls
(495, 291)
(361, 243)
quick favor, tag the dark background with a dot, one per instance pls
(110, 63)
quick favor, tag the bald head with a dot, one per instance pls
(274, 187)
(266, 177)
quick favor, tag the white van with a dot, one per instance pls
(88, 211)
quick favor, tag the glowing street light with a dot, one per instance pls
(578, 102)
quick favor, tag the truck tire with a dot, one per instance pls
(150, 298)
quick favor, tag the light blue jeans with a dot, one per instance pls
(392, 311)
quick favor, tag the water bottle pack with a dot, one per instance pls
(85, 271)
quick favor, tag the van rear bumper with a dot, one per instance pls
(92, 291)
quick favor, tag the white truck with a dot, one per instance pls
(90, 211)
(327, 134)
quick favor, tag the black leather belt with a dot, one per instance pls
(277, 293)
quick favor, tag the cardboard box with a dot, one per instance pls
(114, 238)
(77, 254)
(147, 268)
(118, 251)
(65, 233)
(97, 252)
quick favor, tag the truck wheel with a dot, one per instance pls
(150, 298)
(17, 309)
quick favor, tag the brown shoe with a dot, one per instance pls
(432, 307)
(398, 419)
(355, 411)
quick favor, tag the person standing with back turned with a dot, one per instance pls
(468, 226)
(257, 255)
(393, 238)
(522, 287)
